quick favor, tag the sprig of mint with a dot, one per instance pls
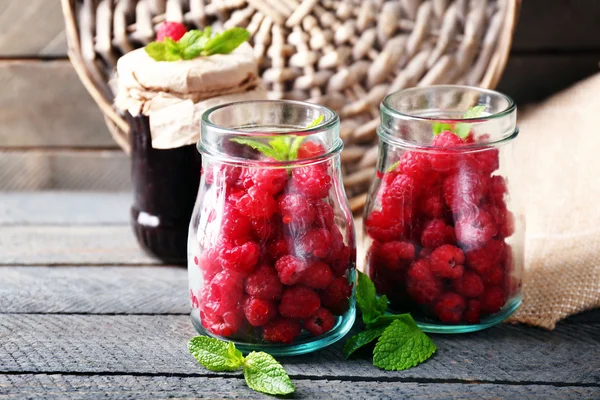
(282, 147)
(197, 43)
(262, 372)
(400, 342)
(461, 129)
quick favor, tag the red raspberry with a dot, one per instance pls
(312, 181)
(487, 160)
(492, 300)
(445, 160)
(473, 311)
(450, 307)
(296, 210)
(223, 325)
(290, 269)
(450, 235)
(264, 284)
(342, 262)
(226, 174)
(468, 285)
(464, 190)
(282, 330)
(507, 254)
(414, 164)
(194, 299)
(171, 29)
(432, 204)
(435, 233)
(336, 296)
(258, 311)
(265, 229)
(337, 244)
(278, 248)
(401, 192)
(319, 323)
(421, 285)
(316, 243)
(446, 140)
(222, 294)
(257, 204)
(446, 262)
(318, 275)
(494, 277)
(507, 228)
(299, 302)
(476, 229)
(269, 180)
(310, 150)
(482, 260)
(324, 215)
(497, 189)
(241, 259)
(395, 256)
(234, 225)
(384, 227)
(209, 265)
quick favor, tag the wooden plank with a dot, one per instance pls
(32, 28)
(87, 245)
(158, 387)
(94, 290)
(141, 344)
(45, 104)
(65, 208)
(531, 78)
(558, 25)
(64, 170)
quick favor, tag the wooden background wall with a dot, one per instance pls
(52, 136)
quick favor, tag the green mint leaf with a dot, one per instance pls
(157, 51)
(215, 355)
(316, 121)
(264, 374)
(474, 112)
(366, 297)
(393, 166)
(462, 130)
(225, 42)
(172, 50)
(439, 127)
(281, 146)
(402, 345)
(386, 320)
(256, 145)
(193, 43)
(295, 146)
(361, 339)
(190, 37)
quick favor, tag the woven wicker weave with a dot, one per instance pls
(345, 54)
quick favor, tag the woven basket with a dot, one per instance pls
(345, 54)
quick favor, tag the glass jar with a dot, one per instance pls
(271, 253)
(444, 228)
(165, 184)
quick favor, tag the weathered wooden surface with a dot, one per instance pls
(48, 387)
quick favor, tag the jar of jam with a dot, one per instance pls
(271, 254)
(443, 226)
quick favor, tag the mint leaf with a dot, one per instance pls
(225, 42)
(281, 145)
(316, 122)
(474, 112)
(157, 51)
(172, 50)
(439, 127)
(366, 297)
(393, 166)
(256, 145)
(461, 129)
(264, 374)
(193, 43)
(215, 354)
(361, 339)
(402, 345)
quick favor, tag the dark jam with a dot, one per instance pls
(165, 185)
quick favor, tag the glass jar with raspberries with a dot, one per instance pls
(271, 251)
(443, 228)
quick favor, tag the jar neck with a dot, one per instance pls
(269, 131)
(413, 116)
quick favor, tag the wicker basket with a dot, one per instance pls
(345, 54)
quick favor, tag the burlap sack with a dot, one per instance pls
(558, 152)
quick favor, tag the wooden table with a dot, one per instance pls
(85, 315)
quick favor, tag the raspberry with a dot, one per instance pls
(447, 139)
(473, 311)
(494, 277)
(312, 181)
(414, 164)
(401, 192)
(395, 256)
(324, 215)
(421, 285)
(450, 235)
(497, 189)
(509, 262)
(336, 296)
(223, 325)
(507, 228)
(316, 243)
(432, 204)
(173, 30)
(450, 307)
(257, 204)
(384, 227)
(319, 323)
(446, 261)
(241, 259)
(258, 311)
(194, 299)
(222, 294)
(445, 160)
(290, 269)
(318, 275)
(264, 284)
(492, 300)
(464, 190)
(310, 150)
(265, 229)
(299, 302)
(282, 330)
(337, 244)
(209, 265)
(269, 180)
(476, 229)
(435, 233)
(296, 210)
(234, 225)
(487, 160)
(468, 285)
(278, 248)
(342, 262)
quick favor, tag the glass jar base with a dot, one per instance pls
(504, 313)
(303, 346)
